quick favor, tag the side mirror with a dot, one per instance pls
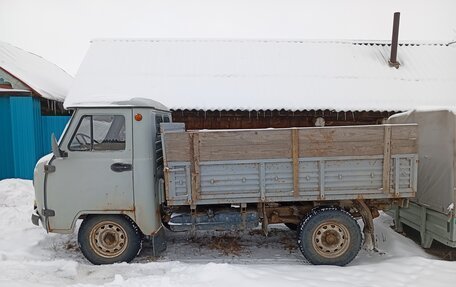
(55, 148)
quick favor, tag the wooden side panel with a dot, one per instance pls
(277, 143)
(404, 139)
(409, 131)
(295, 157)
(387, 160)
(195, 166)
(341, 141)
(239, 145)
(177, 146)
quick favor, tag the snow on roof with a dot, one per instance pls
(133, 102)
(43, 77)
(267, 74)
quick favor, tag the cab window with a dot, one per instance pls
(99, 132)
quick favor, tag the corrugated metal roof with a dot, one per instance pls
(45, 78)
(267, 74)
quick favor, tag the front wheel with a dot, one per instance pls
(107, 239)
(329, 237)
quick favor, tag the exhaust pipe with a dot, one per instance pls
(394, 42)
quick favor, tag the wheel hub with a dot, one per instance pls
(331, 239)
(108, 239)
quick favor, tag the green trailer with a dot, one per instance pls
(432, 212)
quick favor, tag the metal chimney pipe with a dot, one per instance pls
(394, 41)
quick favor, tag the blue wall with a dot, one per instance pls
(52, 124)
(24, 135)
(6, 145)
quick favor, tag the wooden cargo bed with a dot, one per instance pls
(295, 164)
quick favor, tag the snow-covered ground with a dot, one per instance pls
(30, 257)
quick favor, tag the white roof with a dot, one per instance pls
(133, 102)
(43, 77)
(267, 74)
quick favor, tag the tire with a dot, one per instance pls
(107, 239)
(329, 236)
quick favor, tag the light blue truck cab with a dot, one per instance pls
(129, 173)
(108, 162)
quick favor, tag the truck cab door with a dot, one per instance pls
(96, 176)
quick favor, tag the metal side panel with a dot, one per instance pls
(279, 179)
(431, 224)
(229, 180)
(179, 181)
(329, 178)
(403, 171)
(309, 177)
(346, 176)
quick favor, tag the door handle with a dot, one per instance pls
(120, 167)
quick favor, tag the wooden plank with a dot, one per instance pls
(408, 131)
(387, 159)
(177, 146)
(295, 157)
(348, 148)
(195, 167)
(244, 137)
(341, 134)
(341, 141)
(275, 143)
(240, 152)
(404, 146)
(238, 145)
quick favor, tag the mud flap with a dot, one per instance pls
(368, 230)
(158, 242)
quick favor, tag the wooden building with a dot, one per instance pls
(32, 91)
(200, 119)
(22, 70)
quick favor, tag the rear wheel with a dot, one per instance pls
(107, 239)
(329, 237)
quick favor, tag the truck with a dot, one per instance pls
(432, 211)
(132, 175)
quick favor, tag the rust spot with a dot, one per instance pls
(374, 212)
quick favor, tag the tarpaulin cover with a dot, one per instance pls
(436, 149)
